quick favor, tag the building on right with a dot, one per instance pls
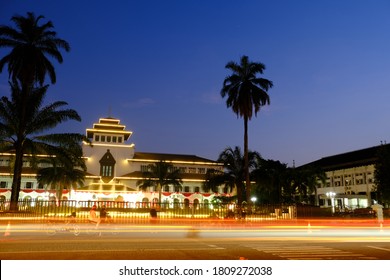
(350, 180)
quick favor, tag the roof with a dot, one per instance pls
(183, 176)
(139, 156)
(361, 157)
(106, 188)
(109, 125)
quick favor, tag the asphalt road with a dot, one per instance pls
(31, 242)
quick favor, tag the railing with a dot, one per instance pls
(128, 212)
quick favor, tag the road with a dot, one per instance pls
(30, 242)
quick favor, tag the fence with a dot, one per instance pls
(128, 212)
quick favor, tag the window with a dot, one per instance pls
(197, 189)
(103, 138)
(114, 139)
(97, 138)
(41, 186)
(106, 171)
(186, 189)
(191, 170)
(108, 138)
(3, 185)
(166, 189)
(107, 165)
(144, 168)
(29, 185)
(119, 139)
(201, 170)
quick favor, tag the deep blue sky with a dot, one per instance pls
(159, 67)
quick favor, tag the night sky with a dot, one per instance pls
(159, 66)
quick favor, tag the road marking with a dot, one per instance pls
(216, 247)
(309, 252)
(105, 250)
(379, 248)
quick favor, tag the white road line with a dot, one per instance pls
(309, 252)
(379, 248)
(216, 247)
(99, 250)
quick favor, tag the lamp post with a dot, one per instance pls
(253, 199)
(331, 195)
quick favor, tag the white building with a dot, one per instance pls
(350, 180)
(113, 168)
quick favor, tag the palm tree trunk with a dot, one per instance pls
(159, 195)
(246, 161)
(16, 182)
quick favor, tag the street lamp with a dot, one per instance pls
(253, 199)
(331, 195)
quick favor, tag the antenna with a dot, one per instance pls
(109, 111)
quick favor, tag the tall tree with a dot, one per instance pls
(246, 94)
(31, 44)
(233, 176)
(159, 175)
(270, 177)
(32, 140)
(63, 172)
(382, 175)
(302, 184)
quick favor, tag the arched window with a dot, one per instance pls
(145, 202)
(196, 203)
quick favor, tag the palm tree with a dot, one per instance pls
(234, 175)
(31, 43)
(27, 138)
(63, 172)
(159, 175)
(303, 184)
(246, 93)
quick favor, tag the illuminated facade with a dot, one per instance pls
(350, 180)
(113, 169)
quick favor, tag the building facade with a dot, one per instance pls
(350, 181)
(113, 169)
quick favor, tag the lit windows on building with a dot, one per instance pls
(191, 170)
(106, 171)
(107, 165)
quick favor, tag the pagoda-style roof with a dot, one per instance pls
(109, 126)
